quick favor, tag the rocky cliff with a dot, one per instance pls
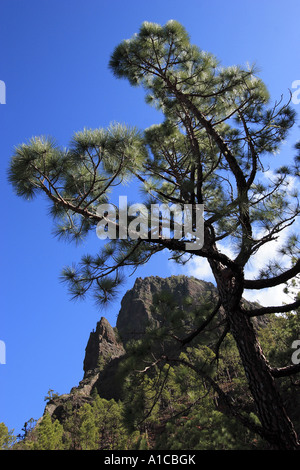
(107, 345)
(137, 312)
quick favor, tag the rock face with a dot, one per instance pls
(102, 347)
(102, 355)
(136, 311)
(107, 345)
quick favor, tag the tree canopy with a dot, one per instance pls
(218, 135)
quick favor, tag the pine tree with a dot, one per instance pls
(220, 129)
(48, 435)
(7, 438)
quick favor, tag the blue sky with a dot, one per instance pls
(54, 62)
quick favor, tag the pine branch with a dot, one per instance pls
(285, 371)
(269, 310)
(274, 281)
(229, 409)
(195, 333)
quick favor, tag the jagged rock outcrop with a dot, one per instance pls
(106, 346)
(102, 347)
(136, 311)
(102, 355)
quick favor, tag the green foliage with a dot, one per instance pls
(277, 341)
(98, 425)
(171, 405)
(204, 428)
(218, 126)
(7, 439)
(83, 172)
(220, 132)
(47, 435)
(51, 395)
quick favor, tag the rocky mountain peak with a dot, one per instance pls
(107, 346)
(136, 311)
(102, 347)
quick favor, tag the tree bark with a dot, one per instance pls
(278, 428)
(271, 412)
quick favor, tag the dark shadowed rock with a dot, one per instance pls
(136, 312)
(102, 347)
(106, 346)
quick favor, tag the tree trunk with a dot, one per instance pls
(278, 428)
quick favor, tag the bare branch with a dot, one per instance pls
(268, 310)
(195, 333)
(274, 281)
(286, 371)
